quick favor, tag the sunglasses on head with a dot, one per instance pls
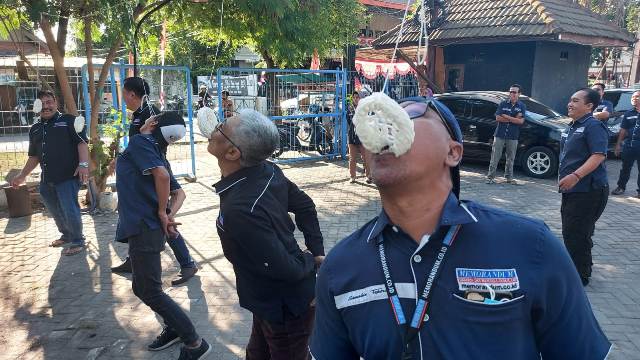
(416, 109)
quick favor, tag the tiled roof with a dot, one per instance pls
(473, 20)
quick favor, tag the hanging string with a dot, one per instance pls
(423, 49)
(395, 49)
(215, 58)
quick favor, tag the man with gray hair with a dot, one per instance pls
(275, 279)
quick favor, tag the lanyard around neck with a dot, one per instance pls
(410, 331)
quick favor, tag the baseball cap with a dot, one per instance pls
(171, 128)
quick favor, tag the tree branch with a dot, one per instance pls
(58, 65)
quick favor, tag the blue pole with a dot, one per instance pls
(344, 114)
(123, 105)
(219, 88)
(85, 94)
(190, 115)
(114, 89)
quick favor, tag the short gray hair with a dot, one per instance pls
(256, 136)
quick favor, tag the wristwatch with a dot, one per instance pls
(83, 164)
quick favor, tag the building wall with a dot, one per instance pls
(492, 66)
(559, 69)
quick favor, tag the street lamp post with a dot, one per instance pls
(152, 10)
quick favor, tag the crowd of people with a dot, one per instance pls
(437, 277)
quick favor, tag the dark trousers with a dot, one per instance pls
(144, 252)
(180, 250)
(629, 156)
(580, 211)
(281, 341)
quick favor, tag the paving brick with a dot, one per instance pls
(43, 294)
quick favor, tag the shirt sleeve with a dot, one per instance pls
(609, 106)
(562, 312)
(145, 155)
(306, 217)
(597, 137)
(76, 137)
(626, 123)
(32, 146)
(330, 338)
(524, 109)
(499, 109)
(255, 236)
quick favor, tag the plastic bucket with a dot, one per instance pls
(18, 201)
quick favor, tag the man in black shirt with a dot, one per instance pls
(275, 279)
(136, 92)
(60, 147)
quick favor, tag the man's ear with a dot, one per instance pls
(455, 153)
(233, 154)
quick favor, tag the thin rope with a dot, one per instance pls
(215, 58)
(395, 50)
(422, 54)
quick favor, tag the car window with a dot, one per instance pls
(624, 102)
(483, 109)
(456, 106)
(613, 96)
(538, 111)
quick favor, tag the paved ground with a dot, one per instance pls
(54, 307)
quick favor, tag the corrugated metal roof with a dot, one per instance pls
(474, 20)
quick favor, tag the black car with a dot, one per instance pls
(621, 99)
(539, 143)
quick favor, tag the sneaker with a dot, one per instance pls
(512, 181)
(618, 191)
(195, 354)
(490, 181)
(353, 180)
(166, 338)
(185, 275)
(369, 180)
(125, 267)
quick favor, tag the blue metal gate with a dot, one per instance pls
(307, 106)
(176, 83)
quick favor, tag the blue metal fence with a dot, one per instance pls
(308, 107)
(178, 84)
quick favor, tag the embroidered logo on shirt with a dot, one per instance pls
(479, 279)
(580, 130)
(60, 124)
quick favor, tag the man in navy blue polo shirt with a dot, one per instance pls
(145, 220)
(629, 141)
(63, 155)
(135, 93)
(510, 117)
(582, 178)
(440, 278)
(604, 110)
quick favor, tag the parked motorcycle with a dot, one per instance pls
(176, 104)
(305, 134)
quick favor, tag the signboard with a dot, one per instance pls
(235, 85)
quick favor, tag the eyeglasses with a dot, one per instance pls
(513, 92)
(417, 109)
(218, 128)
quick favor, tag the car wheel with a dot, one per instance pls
(540, 162)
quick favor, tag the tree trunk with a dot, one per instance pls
(273, 98)
(99, 158)
(63, 25)
(58, 65)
